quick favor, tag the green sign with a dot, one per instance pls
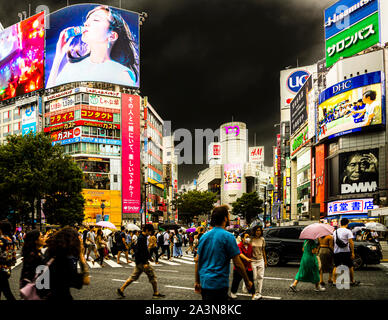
(300, 140)
(353, 40)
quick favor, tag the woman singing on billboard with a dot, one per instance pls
(103, 49)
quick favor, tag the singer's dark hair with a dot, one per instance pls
(123, 50)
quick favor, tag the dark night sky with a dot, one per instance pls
(204, 61)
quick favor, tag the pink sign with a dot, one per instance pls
(130, 153)
(232, 176)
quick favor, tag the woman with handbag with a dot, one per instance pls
(101, 245)
(7, 257)
(32, 257)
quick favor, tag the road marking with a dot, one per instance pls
(113, 264)
(188, 258)
(183, 261)
(119, 280)
(169, 262)
(168, 270)
(93, 266)
(132, 264)
(18, 261)
(272, 278)
(264, 297)
(177, 287)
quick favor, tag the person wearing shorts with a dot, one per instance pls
(344, 256)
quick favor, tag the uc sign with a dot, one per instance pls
(296, 80)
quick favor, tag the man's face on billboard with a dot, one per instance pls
(356, 167)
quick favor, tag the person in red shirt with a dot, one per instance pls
(246, 252)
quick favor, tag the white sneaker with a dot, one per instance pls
(257, 296)
(320, 289)
(233, 295)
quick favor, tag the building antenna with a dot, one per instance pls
(297, 63)
(232, 119)
(255, 140)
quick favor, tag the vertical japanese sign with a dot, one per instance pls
(320, 155)
(130, 153)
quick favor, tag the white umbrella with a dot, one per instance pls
(375, 226)
(132, 227)
(106, 224)
(356, 229)
(183, 229)
(106, 232)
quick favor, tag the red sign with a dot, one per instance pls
(63, 117)
(320, 155)
(216, 150)
(175, 185)
(97, 115)
(66, 134)
(130, 153)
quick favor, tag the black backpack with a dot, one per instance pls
(161, 240)
(118, 238)
(339, 242)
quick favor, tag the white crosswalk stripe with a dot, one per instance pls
(188, 258)
(183, 261)
(132, 264)
(18, 261)
(93, 266)
(168, 262)
(113, 264)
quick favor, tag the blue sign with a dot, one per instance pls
(26, 128)
(101, 140)
(296, 80)
(350, 84)
(352, 206)
(67, 141)
(346, 13)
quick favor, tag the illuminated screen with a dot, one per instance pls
(21, 57)
(89, 42)
(350, 106)
(232, 176)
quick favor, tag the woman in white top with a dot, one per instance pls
(106, 52)
(259, 260)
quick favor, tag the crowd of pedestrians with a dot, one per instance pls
(61, 250)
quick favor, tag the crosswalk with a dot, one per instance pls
(112, 263)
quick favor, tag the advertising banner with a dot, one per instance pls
(351, 105)
(291, 80)
(29, 120)
(353, 206)
(359, 171)
(77, 29)
(256, 154)
(63, 117)
(66, 134)
(214, 151)
(69, 125)
(232, 177)
(105, 102)
(353, 40)
(130, 153)
(345, 13)
(61, 103)
(299, 106)
(300, 140)
(22, 57)
(320, 155)
(96, 115)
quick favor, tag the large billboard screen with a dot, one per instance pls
(21, 57)
(350, 106)
(359, 171)
(89, 42)
(130, 153)
(232, 177)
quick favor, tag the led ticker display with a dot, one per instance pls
(350, 106)
(22, 57)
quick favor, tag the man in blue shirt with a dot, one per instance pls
(212, 265)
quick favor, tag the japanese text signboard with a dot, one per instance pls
(97, 115)
(63, 117)
(130, 153)
(298, 106)
(353, 206)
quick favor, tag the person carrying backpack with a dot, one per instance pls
(344, 251)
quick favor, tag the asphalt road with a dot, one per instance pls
(176, 281)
